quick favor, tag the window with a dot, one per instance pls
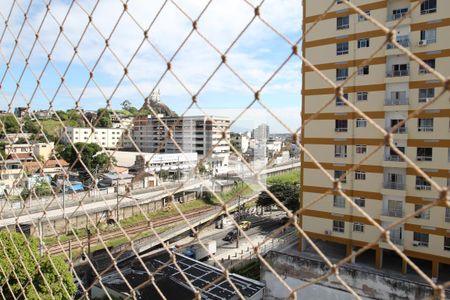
(425, 125)
(424, 154)
(361, 202)
(338, 226)
(360, 175)
(446, 243)
(398, 13)
(341, 125)
(342, 48)
(361, 149)
(362, 96)
(423, 215)
(422, 184)
(339, 101)
(447, 214)
(339, 201)
(361, 123)
(361, 18)
(341, 74)
(421, 239)
(430, 62)
(342, 22)
(398, 70)
(428, 7)
(358, 227)
(426, 94)
(340, 151)
(338, 174)
(363, 43)
(363, 70)
(428, 35)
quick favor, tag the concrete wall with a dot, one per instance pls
(297, 271)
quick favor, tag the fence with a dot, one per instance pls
(62, 60)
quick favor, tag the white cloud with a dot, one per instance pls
(255, 56)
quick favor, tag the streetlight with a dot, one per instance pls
(117, 199)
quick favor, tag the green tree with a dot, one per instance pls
(104, 118)
(30, 125)
(287, 193)
(42, 188)
(21, 141)
(19, 259)
(10, 124)
(90, 155)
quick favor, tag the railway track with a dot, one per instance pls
(130, 231)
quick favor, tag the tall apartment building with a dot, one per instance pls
(387, 89)
(192, 134)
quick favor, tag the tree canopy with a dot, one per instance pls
(287, 193)
(90, 155)
(10, 124)
(19, 260)
(104, 118)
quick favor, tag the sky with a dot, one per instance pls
(254, 55)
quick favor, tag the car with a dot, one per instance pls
(284, 220)
(231, 236)
(245, 225)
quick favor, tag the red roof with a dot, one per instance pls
(34, 166)
(20, 156)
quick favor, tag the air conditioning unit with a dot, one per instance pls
(422, 42)
(327, 232)
(416, 243)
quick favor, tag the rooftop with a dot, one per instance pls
(171, 282)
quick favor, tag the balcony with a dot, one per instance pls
(425, 128)
(341, 129)
(402, 40)
(400, 130)
(423, 187)
(402, 101)
(393, 185)
(397, 16)
(397, 73)
(392, 157)
(397, 213)
(424, 158)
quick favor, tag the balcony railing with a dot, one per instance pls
(341, 129)
(393, 17)
(423, 187)
(424, 158)
(397, 240)
(392, 157)
(400, 130)
(394, 101)
(425, 128)
(394, 185)
(397, 73)
(398, 213)
(404, 41)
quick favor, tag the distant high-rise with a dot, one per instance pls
(261, 132)
(387, 89)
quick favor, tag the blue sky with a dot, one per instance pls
(255, 56)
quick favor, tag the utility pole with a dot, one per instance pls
(64, 203)
(117, 200)
(238, 220)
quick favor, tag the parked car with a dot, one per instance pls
(284, 220)
(245, 225)
(231, 236)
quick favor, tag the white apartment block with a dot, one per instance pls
(192, 134)
(389, 88)
(108, 138)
